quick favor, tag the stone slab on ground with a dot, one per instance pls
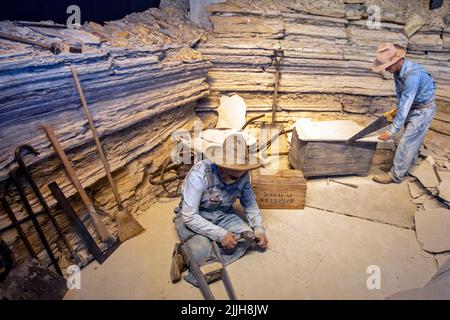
(438, 288)
(424, 172)
(444, 175)
(441, 259)
(432, 203)
(385, 203)
(432, 227)
(444, 185)
(312, 255)
(415, 189)
(444, 190)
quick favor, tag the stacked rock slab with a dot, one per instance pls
(141, 80)
(328, 48)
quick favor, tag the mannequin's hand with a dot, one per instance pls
(228, 241)
(384, 136)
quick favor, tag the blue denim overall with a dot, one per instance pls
(216, 201)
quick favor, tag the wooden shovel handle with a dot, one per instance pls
(97, 140)
(103, 233)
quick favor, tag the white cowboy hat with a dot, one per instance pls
(387, 55)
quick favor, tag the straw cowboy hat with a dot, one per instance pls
(233, 154)
(387, 55)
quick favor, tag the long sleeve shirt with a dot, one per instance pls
(196, 201)
(413, 86)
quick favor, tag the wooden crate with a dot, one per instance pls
(330, 158)
(279, 189)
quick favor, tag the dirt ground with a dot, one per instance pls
(329, 250)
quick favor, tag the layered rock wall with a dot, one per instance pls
(328, 48)
(141, 80)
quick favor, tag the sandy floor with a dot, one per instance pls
(322, 252)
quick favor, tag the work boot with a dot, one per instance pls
(178, 265)
(386, 167)
(383, 178)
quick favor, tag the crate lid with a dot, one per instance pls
(336, 130)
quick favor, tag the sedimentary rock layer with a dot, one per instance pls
(328, 49)
(141, 80)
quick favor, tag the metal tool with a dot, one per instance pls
(269, 142)
(374, 126)
(17, 225)
(40, 197)
(7, 260)
(277, 57)
(251, 120)
(343, 183)
(103, 233)
(68, 210)
(16, 182)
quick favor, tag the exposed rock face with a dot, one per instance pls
(141, 80)
(328, 48)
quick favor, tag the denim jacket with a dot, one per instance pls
(198, 201)
(413, 86)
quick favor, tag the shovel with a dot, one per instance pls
(128, 225)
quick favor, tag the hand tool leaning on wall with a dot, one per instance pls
(101, 229)
(16, 182)
(128, 226)
(68, 210)
(374, 126)
(277, 57)
(17, 224)
(40, 197)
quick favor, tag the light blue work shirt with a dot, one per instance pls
(200, 206)
(418, 87)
